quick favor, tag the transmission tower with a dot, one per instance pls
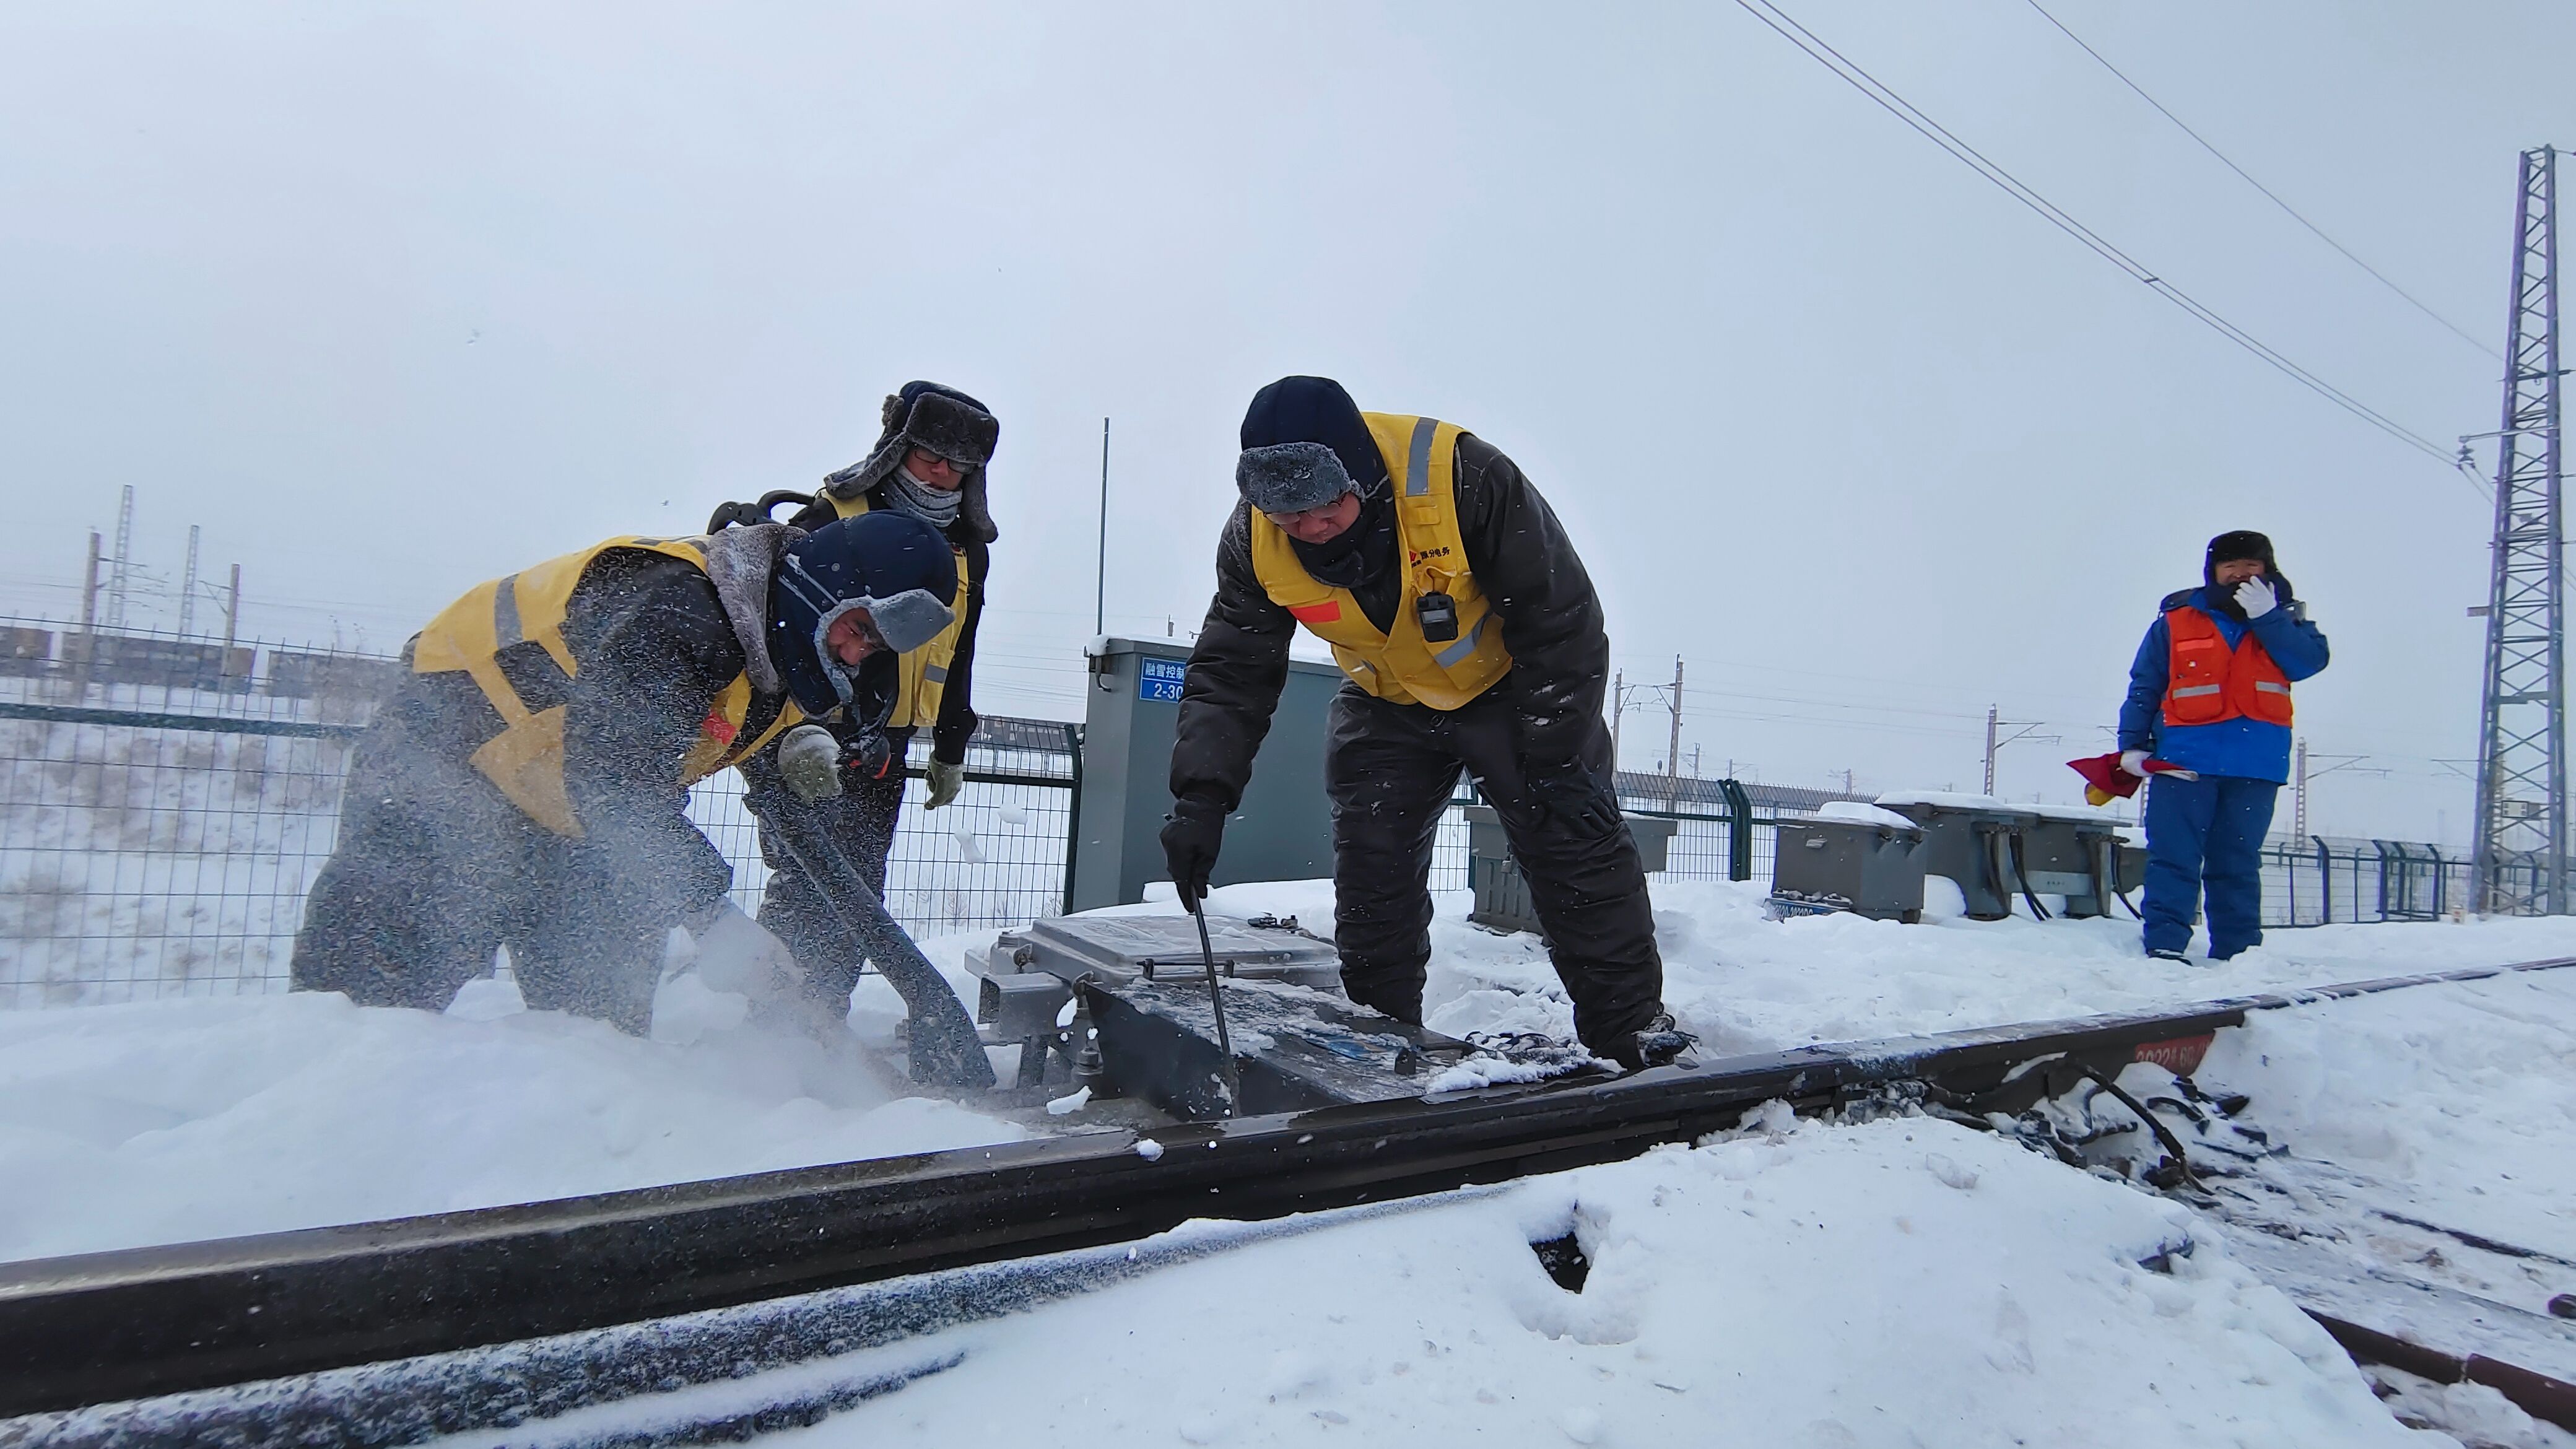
(2521, 857)
(188, 587)
(124, 559)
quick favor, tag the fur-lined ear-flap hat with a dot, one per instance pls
(1291, 477)
(948, 423)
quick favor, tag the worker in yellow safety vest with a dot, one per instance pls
(526, 784)
(1472, 640)
(929, 463)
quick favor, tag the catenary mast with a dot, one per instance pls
(2520, 864)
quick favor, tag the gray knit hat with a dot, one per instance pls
(1291, 477)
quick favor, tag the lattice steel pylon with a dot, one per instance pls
(2521, 856)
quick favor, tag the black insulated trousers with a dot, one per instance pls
(434, 868)
(1390, 769)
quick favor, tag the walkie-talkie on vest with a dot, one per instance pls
(1439, 615)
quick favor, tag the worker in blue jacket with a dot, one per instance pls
(2209, 700)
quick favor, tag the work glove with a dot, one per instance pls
(1191, 835)
(737, 953)
(1572, 798)
(945, 779)
(2135, 762)
(809, 761)
(2255, 597)
(869, 757)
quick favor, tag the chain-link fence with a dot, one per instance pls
(141, 860)
(2326, 879)
(165, 804)
(147, 855)
(997, 855)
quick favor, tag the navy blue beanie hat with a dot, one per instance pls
(897, 568)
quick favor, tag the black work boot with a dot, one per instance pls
(1657, 1043)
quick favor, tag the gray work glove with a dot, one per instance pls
(944, 780)
(809, 760)
(2255, 597)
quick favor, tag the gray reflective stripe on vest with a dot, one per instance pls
(2268, 687)
(505, 613)
(1457, 653)
(934, 674)
(2196, 689)
(1417, 458)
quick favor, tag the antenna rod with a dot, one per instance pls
(1100, 600)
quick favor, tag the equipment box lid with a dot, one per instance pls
(1119, 949)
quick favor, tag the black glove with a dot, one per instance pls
(1572, 798)
(1191, 834)
(869, 757)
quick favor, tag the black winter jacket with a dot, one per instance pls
(1521, 558)
(957, 718)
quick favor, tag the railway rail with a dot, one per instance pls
(391, 1332)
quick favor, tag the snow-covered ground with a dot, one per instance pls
(1896, 1282)
(1901, 1283)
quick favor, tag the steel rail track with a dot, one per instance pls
(107, 1327)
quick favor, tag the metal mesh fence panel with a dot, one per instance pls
(160, 854)
(2320, 882)
(166, 802)
(142, 862)
(994, 856)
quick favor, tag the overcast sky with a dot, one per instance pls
(391, 300)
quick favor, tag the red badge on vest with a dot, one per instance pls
(717, 727)
(1327, 612)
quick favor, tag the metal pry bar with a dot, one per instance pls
(1216, 999)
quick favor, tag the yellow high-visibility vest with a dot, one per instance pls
(1400, 666)
(924, 671)
(505, 616)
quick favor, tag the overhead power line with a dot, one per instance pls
(1861, 80)
(2274, 197)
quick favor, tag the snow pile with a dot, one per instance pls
(168, 1121)
(1860, 814)
(1827, 1287)
(1896, 1282)
(1954, 799)
(1747, 983)
(2457, 1102)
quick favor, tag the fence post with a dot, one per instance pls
(1739, 831)
(1072, 814)
(2325, 881)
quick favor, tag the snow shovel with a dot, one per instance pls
(944, 1048)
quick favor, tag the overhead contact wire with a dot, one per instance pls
(2269, 194)
(1861, 80)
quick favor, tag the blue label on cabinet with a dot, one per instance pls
(1160, 681)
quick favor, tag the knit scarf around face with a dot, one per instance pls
(934, 506)
(1359, 554)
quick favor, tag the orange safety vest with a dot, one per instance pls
(2207, 682)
